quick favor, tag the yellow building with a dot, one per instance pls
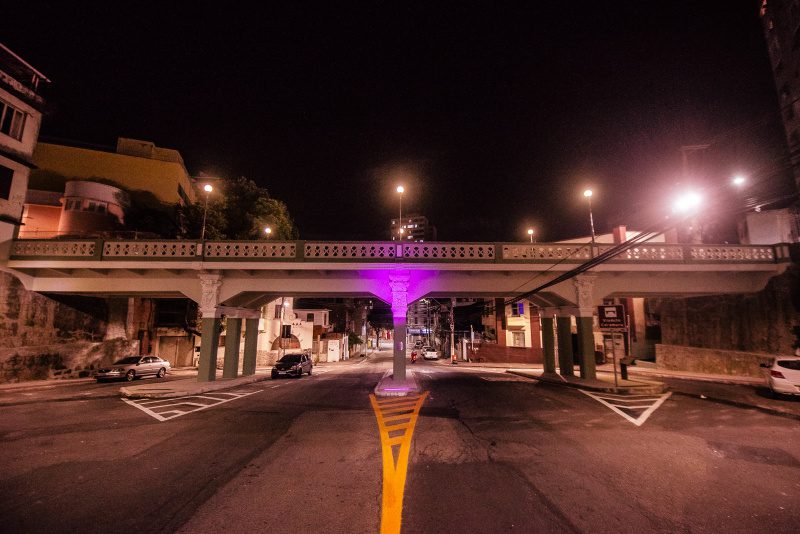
(135, 165)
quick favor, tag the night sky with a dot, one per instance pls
(494, 116)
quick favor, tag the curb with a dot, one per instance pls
(648, 387)
(164, 391)
(739, 404)
(387, 387)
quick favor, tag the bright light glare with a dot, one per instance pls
(739, 180)
(587, 193)
(530, 231)
(267, 230)
(207, 188)
(688, 202)
(400, 189)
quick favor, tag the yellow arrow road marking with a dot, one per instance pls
(391, 420)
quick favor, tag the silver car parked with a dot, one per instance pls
(132, 367)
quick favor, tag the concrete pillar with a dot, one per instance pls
(586, 347)
(548, 343)
(398, 282)
(399, 362)
(584, 293)
(500, 321)
(565, 358)
(536, 326)
(250, 346)
(233, 337)
(209, 343)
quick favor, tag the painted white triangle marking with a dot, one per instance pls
(638, 421)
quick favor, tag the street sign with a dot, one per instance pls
(611, 317)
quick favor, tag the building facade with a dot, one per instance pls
(780, 20)
(412, 228)
(21, 108)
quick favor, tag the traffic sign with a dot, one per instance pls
(611, 317)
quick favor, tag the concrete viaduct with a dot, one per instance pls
(234, 278)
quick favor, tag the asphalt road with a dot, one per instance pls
(491, 452)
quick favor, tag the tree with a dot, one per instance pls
(240, 210)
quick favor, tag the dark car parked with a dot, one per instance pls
(292, 365)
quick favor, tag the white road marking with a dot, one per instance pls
(155, 407)
(648, 403)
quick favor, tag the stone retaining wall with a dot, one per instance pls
(63, 360)
(713, 361)
(489, 352)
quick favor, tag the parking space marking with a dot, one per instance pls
(397, 417)
(628, 406)
(166, 409)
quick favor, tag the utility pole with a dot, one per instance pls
(452, 330)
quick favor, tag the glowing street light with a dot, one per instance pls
(400, 190)
(207, 188)
(588, 194)
(530, 233)
(687, 202)
(268, 231)
(739, 180)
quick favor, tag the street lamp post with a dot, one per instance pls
(588, 195)
(530, 233)
(401, 190)
(207, 188)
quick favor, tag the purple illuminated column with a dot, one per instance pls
(399, 285)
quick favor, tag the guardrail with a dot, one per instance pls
(379, 251)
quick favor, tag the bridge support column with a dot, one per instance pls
(548, 342)
(500, 321)
(586, 346)
(399, 285)
(209, 341)
(233, 337)
(250, 347)
(566, 362)
(584, 290)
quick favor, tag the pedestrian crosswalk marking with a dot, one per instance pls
(397, 417)
(166, 409)
(634, 408)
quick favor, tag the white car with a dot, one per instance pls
(783, 375)
(429, 353)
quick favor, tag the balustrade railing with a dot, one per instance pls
(56, 248)
(149, 249)
(362, 251)
(248, 249)
(449, 251)
(376, 251)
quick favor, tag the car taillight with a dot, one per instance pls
(776, 374)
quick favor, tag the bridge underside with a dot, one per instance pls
(238, 287)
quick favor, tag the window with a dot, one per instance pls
(72, 204)
(183, 196)
(278, 308)
(789, 364)
(310, 317)
(6, 176)
(286, 331)
(517, 309)
(99, 207)
(12, 121)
